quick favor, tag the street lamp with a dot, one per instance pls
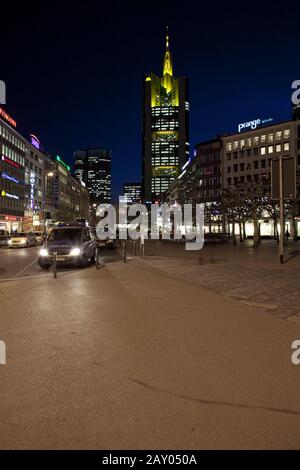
(50, 174)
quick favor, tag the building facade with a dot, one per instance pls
(93, 168)
(200, 179)
(66, 198)
(132, 193)
(35, 164)
(247, 156)
(12, 175)
(165, 130)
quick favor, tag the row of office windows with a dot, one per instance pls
(13, 155)
(252, 141)
(12, 138)
(285, 147)
(243, 179)
(249, 166)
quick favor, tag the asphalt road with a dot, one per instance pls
(22, 263)
(127, 358)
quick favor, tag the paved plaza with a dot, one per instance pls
(252, 276)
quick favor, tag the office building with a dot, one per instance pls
(132, 193)
(165, 129)
(93, 168)
(12, 175)
(66, 198)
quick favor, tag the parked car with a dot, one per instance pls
(39, 238)
(74, 246)
(4, 240)
(22, 240)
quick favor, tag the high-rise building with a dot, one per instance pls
(66, 199)
(165, 129)
(132, 193)
(93, 167)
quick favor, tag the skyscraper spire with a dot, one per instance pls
(167, 66)
(167, 39)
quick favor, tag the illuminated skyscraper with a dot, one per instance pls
(93, 167)
(165, 129)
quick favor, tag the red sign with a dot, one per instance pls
(7, 160)
(7, 117)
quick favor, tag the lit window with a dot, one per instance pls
(270, 149)
(286, 146)
(278, 148)
(263, 138)
(263, 151)
(235, 145)
(255, 140)
(242, 143)
(286, 134)
(278, 135)
(271, 138)
(249, 142)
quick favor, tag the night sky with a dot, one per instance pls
(74, 73)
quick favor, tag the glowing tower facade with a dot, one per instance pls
(165, 129)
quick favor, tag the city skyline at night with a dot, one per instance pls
(234, 78)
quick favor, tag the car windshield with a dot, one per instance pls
(65, 234)
(21, 234)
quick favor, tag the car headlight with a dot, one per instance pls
(75, 252)
(9, 242)
(23, 242)
(44, 252)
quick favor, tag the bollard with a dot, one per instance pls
(97, 258)
(55, 265)
(99, 264)
(124, 251)
(142, 247)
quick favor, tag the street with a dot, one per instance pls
(129, 357)
(22, 263)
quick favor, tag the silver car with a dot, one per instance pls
(22, 240)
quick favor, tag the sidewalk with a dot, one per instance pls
(252, 276)
(125, 358)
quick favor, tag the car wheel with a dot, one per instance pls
(44, 266)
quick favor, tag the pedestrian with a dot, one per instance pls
(287, 234)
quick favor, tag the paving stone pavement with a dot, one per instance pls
(266, 284)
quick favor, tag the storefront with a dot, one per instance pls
(10, 224)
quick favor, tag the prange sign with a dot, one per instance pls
(254, 124)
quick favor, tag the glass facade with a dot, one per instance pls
(93, 167)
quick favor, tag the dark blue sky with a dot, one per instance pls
(74, 74)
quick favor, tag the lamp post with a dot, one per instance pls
(50, 174)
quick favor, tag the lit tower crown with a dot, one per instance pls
(167, 66)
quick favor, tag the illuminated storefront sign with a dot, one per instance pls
(11, 196)
(254, 124)
(7, 160)
(59, 160)
(35, 141)
(9, 178)
(32, 186)
(7, 117)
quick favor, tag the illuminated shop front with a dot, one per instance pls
(12, 173)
